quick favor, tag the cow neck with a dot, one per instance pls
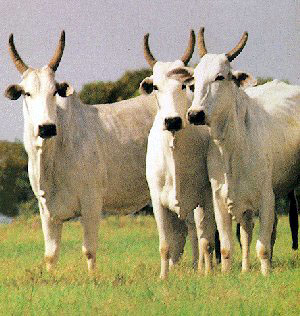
(55, 153)
(177, 151)
(229, 134)
(176, 139)
(173, 166)
(43, 154)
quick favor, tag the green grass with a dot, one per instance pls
(126, 281)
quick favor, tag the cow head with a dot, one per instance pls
(213, 80)
(171, 93)
(40, 90)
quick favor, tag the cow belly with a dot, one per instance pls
(126, 198)
(287, 181)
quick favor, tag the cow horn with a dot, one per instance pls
(238, 48)
(147, 53)
(190, 49)
(54, 62)
(20, 65)
(201, 43)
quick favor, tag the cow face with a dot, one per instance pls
(173, 96)
(212, 76)
(40, 92)
(208, 89)
(213, 81)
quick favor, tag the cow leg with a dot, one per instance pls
(238, 233)
(170, 244)
(90, 219)
(206, 228)
(246, 229)
(273, 236)
(192, 233)
(90, 224)
(266, 218)
(178, 232)
(217, 247)
(224, 225)
(164, 246)
(52, 230)
(293, 218)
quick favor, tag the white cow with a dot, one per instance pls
(176, 168)
(82, 158)
(255, 149)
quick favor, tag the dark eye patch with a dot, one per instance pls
(219, 78)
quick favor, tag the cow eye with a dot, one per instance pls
(192, 88)
(27, 94)
(183, 86)
(155, 87)
(219, 78)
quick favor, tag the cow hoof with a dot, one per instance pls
(163, 277)
(265, 267)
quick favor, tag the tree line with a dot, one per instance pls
(16, 196)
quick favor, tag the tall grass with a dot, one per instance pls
(126, 281)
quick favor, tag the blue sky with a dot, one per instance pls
(104, 39)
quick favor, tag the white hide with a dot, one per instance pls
(254, 153)
(96, 161)
(176, 172)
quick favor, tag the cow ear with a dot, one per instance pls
(64, 89)
(146, 86)
(243, 79)
(13, 92)
(182, 74)
(190, 82)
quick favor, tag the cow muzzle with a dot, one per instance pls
(196, 117)
(173, 124)
(47, 130)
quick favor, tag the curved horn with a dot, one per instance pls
(147, 53)
(238, 48)
(190, 49)
(54, 62)
(201, 43)
(20, 65)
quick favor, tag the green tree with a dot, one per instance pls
(98, 92)
(126, 87)
(14, 183)
(129, 83)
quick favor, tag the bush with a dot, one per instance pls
(126, 87)
(14, 183)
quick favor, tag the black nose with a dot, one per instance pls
(47, 130)
(173, 124)
(196, 117)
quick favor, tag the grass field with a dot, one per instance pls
(126, 281)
